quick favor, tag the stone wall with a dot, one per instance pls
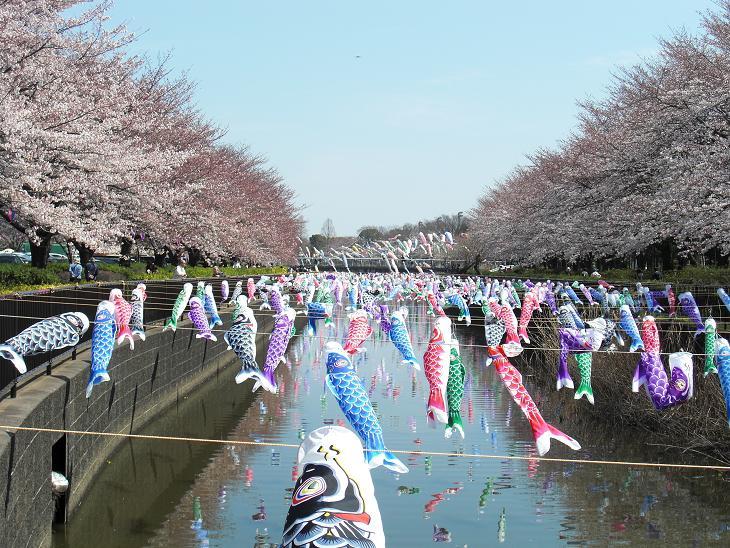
(145, 381)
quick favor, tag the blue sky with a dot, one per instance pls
(445, 98)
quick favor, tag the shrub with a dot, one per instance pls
(23, 277)
(206, 271)
(12, 275)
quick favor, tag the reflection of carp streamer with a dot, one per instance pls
(333, 502)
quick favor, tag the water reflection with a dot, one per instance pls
(240, 494)
(201, 533)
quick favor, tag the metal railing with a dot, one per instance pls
(21, 310)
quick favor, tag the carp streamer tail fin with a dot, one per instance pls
(412, 362)
(9, 353)
(584, 389)
(455, 423)
(125, 333)
(97, 378)
(544, 432)
(377, 455)
(436, 406)
(208, 336)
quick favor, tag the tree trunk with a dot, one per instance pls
(68, 251)
(160, 256)
(666, 254)
(85, 253)
(39, 252)
(126, 252)
(195, 257)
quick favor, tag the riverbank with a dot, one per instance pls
(690, 275)
(143, 481)
(697, 428)
(160, 372)
(20, 278)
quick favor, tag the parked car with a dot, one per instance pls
(57, 258)
(10, 258)
(108, 259)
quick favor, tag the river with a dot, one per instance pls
(185, 494)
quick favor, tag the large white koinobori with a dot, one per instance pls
(334, 498)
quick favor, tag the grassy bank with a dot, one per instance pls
(15, 278)
(691, 275)
(698, 427)
(687, 276)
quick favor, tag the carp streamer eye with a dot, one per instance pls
(311, 488)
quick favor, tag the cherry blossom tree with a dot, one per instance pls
(100, 147)
(645, 175)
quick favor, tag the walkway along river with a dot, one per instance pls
(169, 493)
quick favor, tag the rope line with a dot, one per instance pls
(38, 297)
(158, 300)
(549, 320)
(413, 341)
(95, 286)
(721, 468)
(164, 300)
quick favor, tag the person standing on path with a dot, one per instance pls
(180, 270)
(92, 271)
(74, 270)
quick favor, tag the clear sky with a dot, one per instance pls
(389, 112)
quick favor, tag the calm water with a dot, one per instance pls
(158, 493)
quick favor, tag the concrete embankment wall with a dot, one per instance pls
(144, 382)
